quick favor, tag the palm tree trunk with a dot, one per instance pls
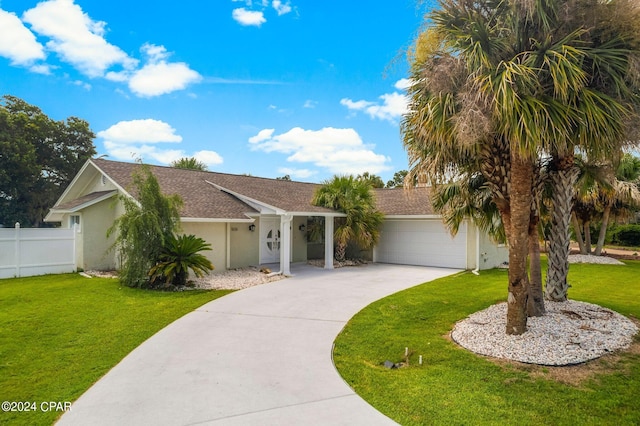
(577, 229)
(535, 304)
(341, 250)
(521, 197)
(603, 229)
(587, 237)
(563, 180)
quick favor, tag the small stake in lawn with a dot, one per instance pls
(420, 360)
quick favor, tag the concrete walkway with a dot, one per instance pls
(260, 356)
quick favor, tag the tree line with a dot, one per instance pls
(38, 159)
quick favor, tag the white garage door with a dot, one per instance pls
(421, 242)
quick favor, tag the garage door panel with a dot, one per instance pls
(421, 242)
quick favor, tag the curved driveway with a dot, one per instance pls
(260, 356)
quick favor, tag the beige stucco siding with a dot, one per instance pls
(95, 221)
(298, 239)
(492, 254)
(215, 233)
(244, 244)
(472, 232)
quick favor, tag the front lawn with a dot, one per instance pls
(61, 333)
(456, 387)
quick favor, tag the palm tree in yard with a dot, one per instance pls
(607, 107)
(604, 189)
(353, 197)
(499, 84)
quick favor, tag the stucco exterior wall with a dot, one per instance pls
(215, 233)
(298, 239)
(472, 232)
(244, 250)
(95, 221)
(492, 254)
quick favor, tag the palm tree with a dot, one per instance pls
(509, 74)
(601, 191)
(355, 199)
(178, 255)
(189, 163)
(604, 106)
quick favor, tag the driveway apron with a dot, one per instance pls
(259, 356)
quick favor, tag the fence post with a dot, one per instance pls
(17, 236)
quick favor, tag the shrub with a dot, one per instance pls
(177, 257)
(626, 235)
(142, 231)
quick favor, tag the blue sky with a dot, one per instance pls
(305, 88)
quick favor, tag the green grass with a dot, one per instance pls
(61, 333)
(456, 387)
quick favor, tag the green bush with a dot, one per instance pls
(177, 257)
(626, 235)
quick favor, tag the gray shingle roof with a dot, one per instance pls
(397, 201)
(204, 201)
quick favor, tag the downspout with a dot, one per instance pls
(476, 271)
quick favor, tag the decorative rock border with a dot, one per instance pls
(569, 333)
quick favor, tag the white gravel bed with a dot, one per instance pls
(235, 279)
(570, 332)
(585, 258)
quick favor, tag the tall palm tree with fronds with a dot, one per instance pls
(519, 74)
(355, 198)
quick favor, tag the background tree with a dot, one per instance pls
(604, 190)
(285, 177)
(189, 163)
(398, 179)
(355, 198)
(39, 158)
(374, 180)
(148, 222)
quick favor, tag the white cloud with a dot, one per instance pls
(18, 43)
(297, 173)
(339, 151)
(263, 135)
(310, 104)
(248, 17)
(156, 79)
(281, 8)
(390, 107)
(403, 84)
(76, 38)
(135, 139)
(210, 158)
(84, 85)
(40, 69)
(140, 131)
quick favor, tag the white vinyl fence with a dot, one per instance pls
(25, 252)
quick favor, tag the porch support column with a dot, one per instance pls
(328, 242)
(285, 252)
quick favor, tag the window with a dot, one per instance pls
(74, 221)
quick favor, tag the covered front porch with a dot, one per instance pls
(284, 239)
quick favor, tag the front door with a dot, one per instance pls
(269, 240)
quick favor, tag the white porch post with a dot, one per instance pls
(285, 249)
(328, 242)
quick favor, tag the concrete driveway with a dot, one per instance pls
(260, 356)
